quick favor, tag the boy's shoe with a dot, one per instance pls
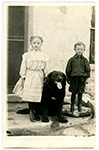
(32, 116)
(79, 108)
(72, 108)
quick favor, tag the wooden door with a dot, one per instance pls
(17, 41)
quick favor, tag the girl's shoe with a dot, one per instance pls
(37, 117)
(32, 116)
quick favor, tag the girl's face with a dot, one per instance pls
(79, 49)
(36, 44)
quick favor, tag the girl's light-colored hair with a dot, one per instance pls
(79, 43)
(33, 37)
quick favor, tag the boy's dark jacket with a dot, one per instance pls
(78, 66)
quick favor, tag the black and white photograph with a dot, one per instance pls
(49, 70)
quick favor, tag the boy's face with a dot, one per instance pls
(79, 49)
(36, 44)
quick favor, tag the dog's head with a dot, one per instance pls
(55, 78)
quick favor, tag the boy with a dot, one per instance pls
(77, 71)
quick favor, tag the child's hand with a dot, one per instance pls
(22, 82)
(87, 81)
(67, 79)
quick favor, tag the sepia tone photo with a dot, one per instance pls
(49, 75)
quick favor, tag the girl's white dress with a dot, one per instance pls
(31, 69)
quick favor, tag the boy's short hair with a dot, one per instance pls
(79, 43)
(33, 37)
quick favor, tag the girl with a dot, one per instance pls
(32, 74)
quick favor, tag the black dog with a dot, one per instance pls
(52, 99)
(53, 95)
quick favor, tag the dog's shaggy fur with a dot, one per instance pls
(53, 95)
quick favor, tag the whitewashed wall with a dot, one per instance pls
(61, 27)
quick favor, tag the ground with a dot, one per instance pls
(19, 124)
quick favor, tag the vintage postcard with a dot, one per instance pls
(49, 75)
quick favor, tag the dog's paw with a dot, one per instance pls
(45, 120)
(63, 120)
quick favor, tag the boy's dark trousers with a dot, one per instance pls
(77, 86)
(73, 96)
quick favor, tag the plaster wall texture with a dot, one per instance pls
(61, 27)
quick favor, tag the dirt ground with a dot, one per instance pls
(19, 124)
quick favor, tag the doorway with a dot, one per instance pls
(17, 42)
